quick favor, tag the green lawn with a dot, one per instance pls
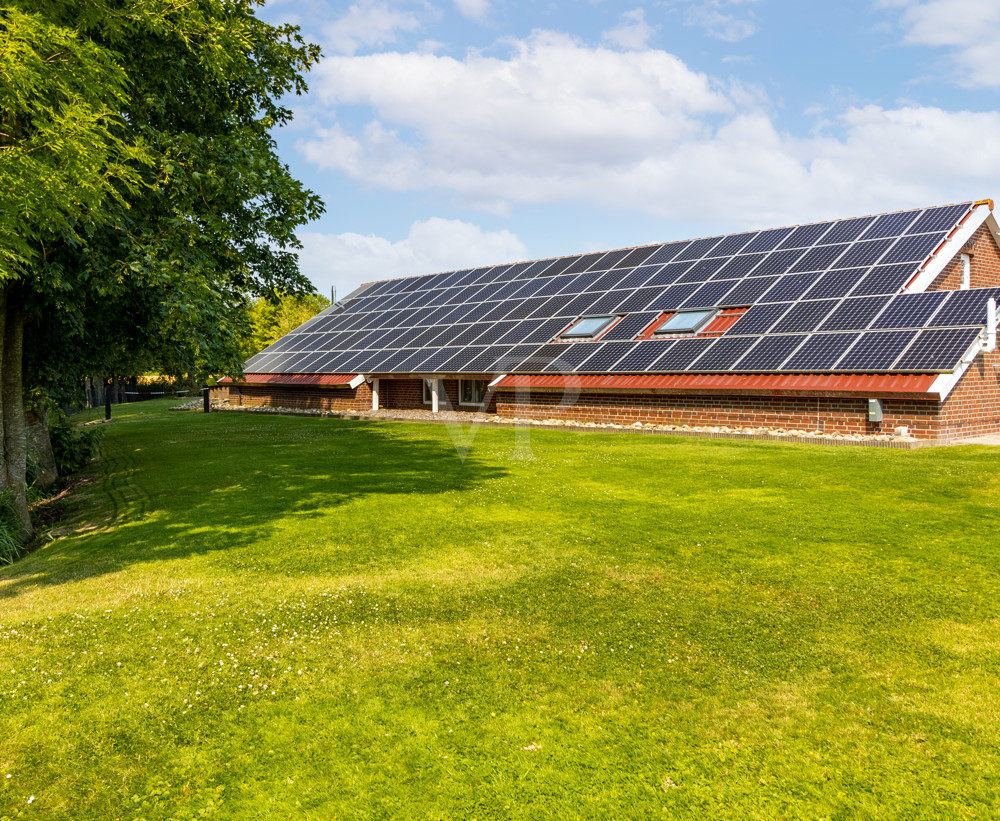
(280, 617)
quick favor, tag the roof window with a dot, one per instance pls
(686, 322)
(588, 327)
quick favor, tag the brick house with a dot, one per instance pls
(856, 326)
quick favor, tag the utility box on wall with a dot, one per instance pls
(874, 410)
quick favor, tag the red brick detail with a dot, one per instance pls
(984, 264)
(306, 397)
(407, 394)
(973, 407)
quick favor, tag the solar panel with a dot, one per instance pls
(610, 260)
(669, 273)
(511, 360)
(939, 219)
(703, 270)
(698, 248)
(834, 284)
(733, 244)
(724, 353)
(520, 331)
(778, 262)
(483, 362)
(470, 334)
(554, 285)
(559, 266)
(875, 351)
(739, 266)
(854, 313)
(680, 355)
(884, 279)
(639, 276)
(553, 306)
(891, 225)
(820, 352)
(631, 326)
(805, 235)
(913, 248)
(759, 318)
(666, 253)
(605, 358)
(584, 262)
(637, 256)
(498, 311)
(769, 353)
(910, 310)
(940, 349)
(527, 308)
(638, 300)
(606, 304)
(580, 305)
(673, 297)
(572, 356)
(643, 355)
(749, 290)
(819, 258)
(863, 253)
(547, 330)
(790, 286)
(767, 240)
(965, 307)
(847, 230)
(804, 317)
(709, 295)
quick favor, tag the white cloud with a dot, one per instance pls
(558, 122)
(477, 10)
(633, 33)
(968, 29)
(368, 23)
(347, 260)
(719, 18)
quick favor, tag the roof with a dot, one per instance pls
(839, 297)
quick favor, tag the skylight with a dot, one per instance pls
(588, 327)
(686, 322)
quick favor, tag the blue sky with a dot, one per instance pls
(449, 133)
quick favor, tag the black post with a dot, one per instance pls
(207, 400)
(107, 400)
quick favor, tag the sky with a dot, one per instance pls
(445, 134)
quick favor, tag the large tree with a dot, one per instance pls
(207, 221)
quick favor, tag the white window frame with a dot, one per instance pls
(482, 399)
(425, 395)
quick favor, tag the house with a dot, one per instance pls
(857, 325)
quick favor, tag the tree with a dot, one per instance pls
(166, 273)
(271, 319)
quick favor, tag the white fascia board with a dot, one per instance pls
(946, 382)
(927, 275)
(358, 381)
(496, 381)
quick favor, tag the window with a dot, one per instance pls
(588, 327)
(686, 322)
(427, 391)
(471, 391)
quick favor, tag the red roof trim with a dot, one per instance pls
(914, 385)
(326, 379)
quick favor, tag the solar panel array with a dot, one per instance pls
(821, 297)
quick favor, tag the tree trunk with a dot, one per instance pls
(40, 444)
(15, 428)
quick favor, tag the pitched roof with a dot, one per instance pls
(819, 298)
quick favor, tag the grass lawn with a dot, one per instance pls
(280, 617)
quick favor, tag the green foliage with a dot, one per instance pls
(272, 318)
(72, 447)
(337, 619)
(10, 529)
(62, 151)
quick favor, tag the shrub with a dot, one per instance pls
(10, 528)
(72, 448)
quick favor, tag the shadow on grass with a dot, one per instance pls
(213, 483)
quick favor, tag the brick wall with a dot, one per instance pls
(306, 397)
(984, 264)
(828, 414)
(406, 394)
(973, 407)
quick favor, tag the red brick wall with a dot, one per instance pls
(304, 397)
(406, 394)
(830, 415)
(984, 265)
(973, 407)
